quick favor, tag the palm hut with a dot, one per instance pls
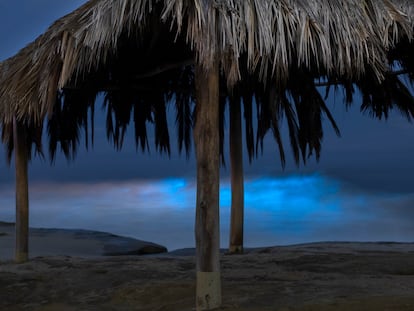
(143, 54)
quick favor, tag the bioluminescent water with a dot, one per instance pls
(278, 211)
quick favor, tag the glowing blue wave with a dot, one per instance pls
(286, 210)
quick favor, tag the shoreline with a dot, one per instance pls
(91, 243)
(74, 242)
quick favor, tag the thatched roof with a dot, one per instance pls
(107, 45)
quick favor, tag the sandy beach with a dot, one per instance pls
(315, 276)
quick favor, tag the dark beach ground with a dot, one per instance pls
(316, 276)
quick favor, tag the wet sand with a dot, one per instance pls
(316, 276)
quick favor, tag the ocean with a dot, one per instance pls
(278, 210)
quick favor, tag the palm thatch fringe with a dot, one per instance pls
(141, 54)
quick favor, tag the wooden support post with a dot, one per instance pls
(207, 231)
(237, 179)
(22, 192)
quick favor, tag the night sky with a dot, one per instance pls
(369, 169)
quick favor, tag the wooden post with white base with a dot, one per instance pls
(207, 232)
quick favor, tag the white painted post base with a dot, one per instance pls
(208, 291)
